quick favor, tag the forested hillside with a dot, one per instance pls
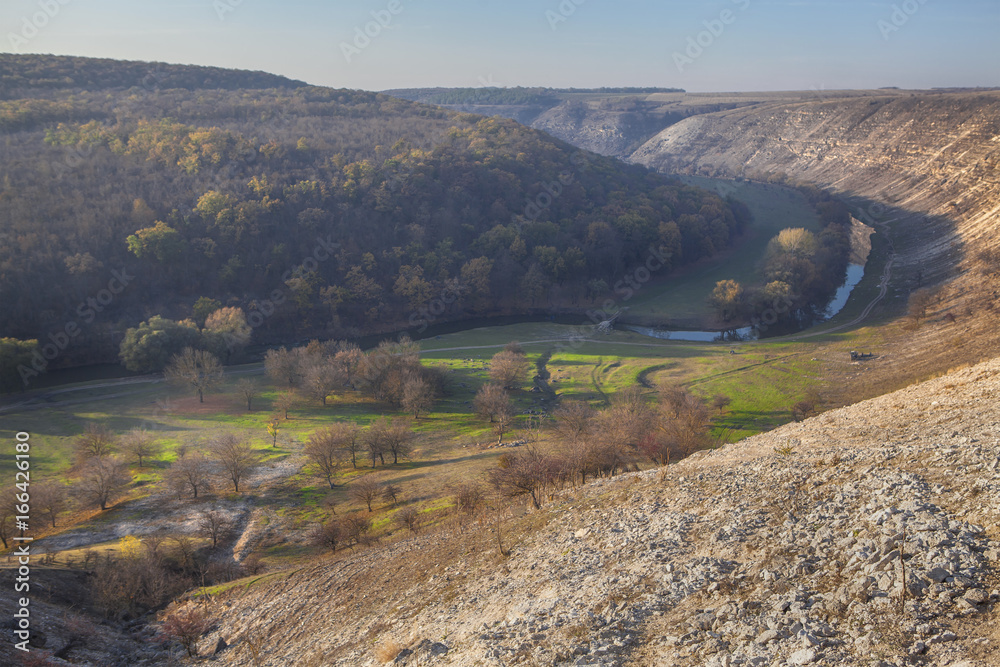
(131, 190)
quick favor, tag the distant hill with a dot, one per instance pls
(322, 212)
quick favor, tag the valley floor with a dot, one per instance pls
(865, 536)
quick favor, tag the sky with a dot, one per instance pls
(715, 46)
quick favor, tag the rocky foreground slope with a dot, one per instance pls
(865, 536)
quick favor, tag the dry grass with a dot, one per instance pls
(387, 650)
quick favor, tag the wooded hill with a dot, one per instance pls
(329, 212)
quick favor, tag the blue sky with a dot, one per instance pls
(724, 45)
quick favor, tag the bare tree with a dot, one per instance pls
(391, 492)
(469, 498)
(190, 473)
(357, 528)
(50, 499)
(490, 401)
(284, 402)
(248, 389)
(96, 441)
(139, 444)
(684, 421)
(365, 490)
(392, 436)
(319, 380)
(526, 473)
(195, 368)
(187, 627)
(102, 481)
(509, 368)
(325, 450)
(236, 456)
(214, 525)
(282, 366)
(330, 534)
(418, 396)
(574, 420)
(408, 518)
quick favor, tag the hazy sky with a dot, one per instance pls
(723, 45)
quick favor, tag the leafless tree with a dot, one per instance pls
(325, 450)
(356, 528)
(190, 473)
(102, 481)
(469, 498)
(391, 492)
(418, 396)
(187, 627)
(195, 368)
(282, 366)
(96, 441)
(236, 456)
(684, 421)
(330, 535)
(139, 444)
(365, 490)
(214, 525)
(390, 436)
(525, 473)
(320, 379)
(574, 420)
(409, 518)
(49, 498)
(491, 400)
(248, 389)
(284, 402)
(509, 368)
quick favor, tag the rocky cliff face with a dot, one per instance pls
(927, 162)
(867, 535)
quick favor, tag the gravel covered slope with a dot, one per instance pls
(865, 536)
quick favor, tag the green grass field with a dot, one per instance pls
(682, 298)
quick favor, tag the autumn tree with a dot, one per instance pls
(273, 428)
(525, 473)
(248, 390)
(195, 368)
(325, 450)
(365, 490)
(191, 473)
(684, 421)
(574, 420)
(102, 480)
(236, 456)
(728, 299)
(226, 331)
(139, 444)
